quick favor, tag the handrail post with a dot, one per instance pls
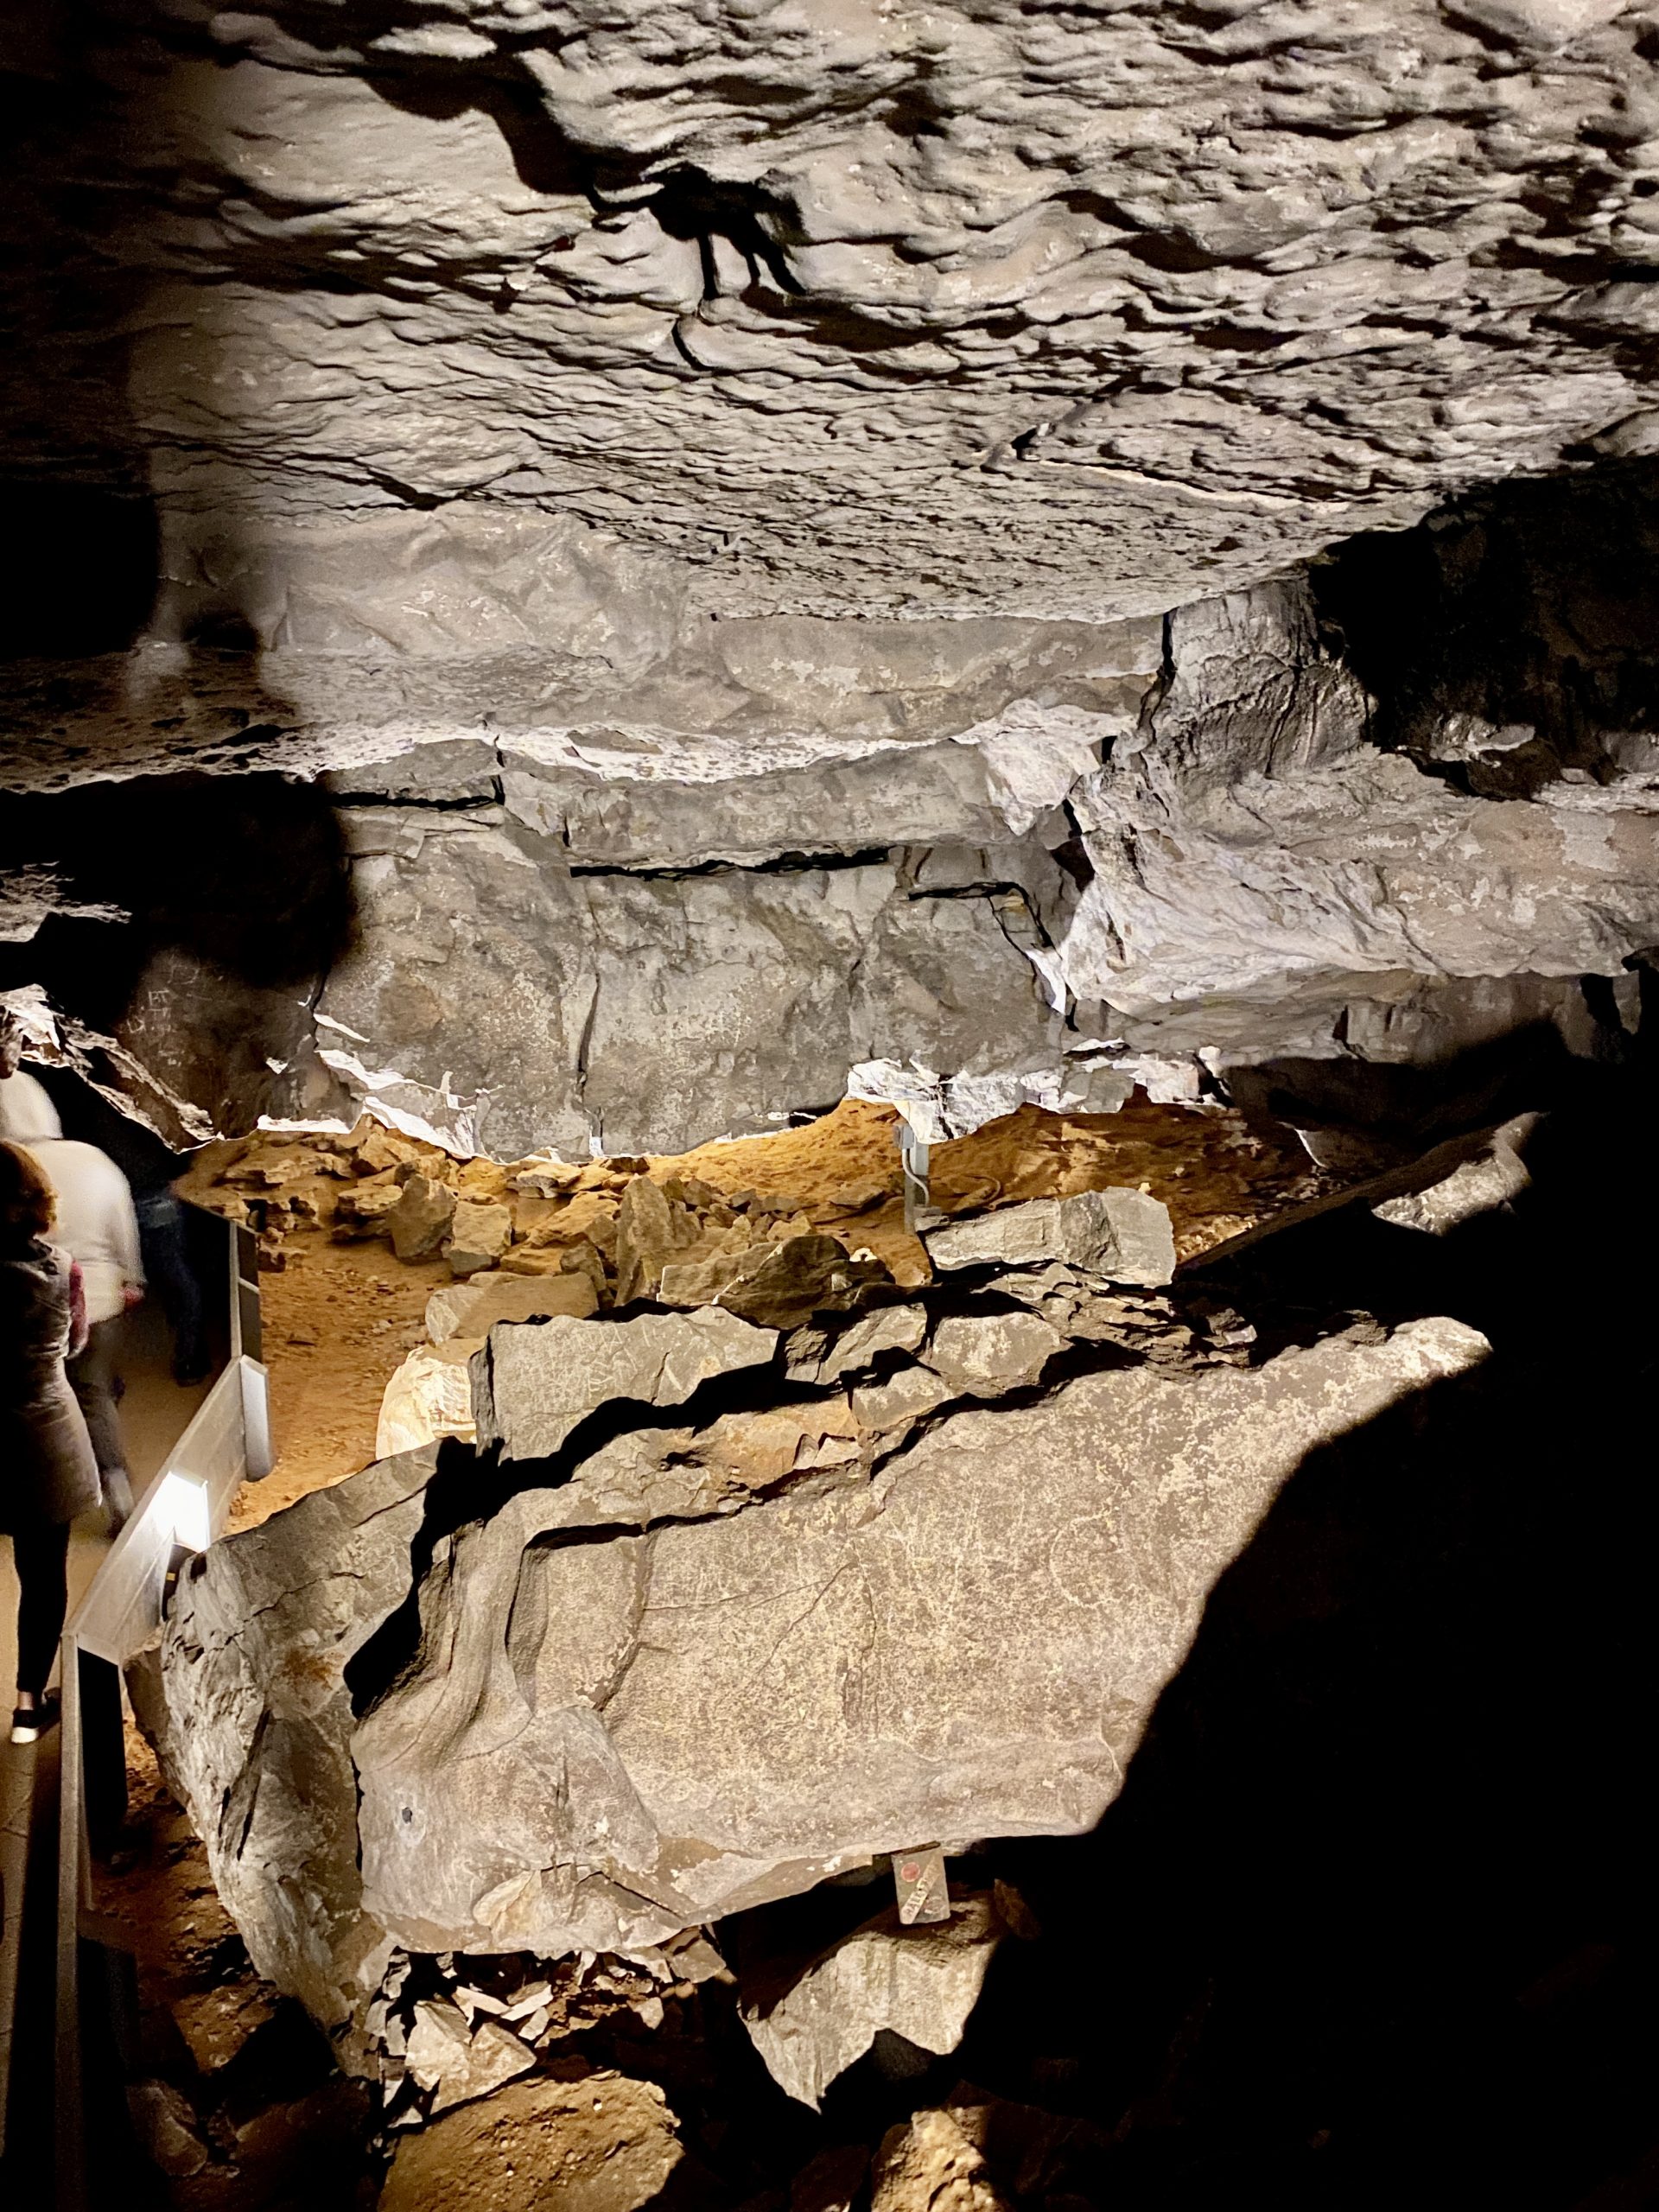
(74, 1886)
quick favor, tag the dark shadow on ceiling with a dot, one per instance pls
(1533, 607)
(1403, 1109)
(235, 887)
(246, 874)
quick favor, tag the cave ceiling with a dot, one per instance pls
(947, 472)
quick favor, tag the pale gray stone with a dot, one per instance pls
(458, 2062)
(892, 1328)
(1121, 1234)
(535, 1381)
(909, 1393)
(248, 1708)
(1492, 1179)
(984, 1354)
(524, 1007)
(920, 1983)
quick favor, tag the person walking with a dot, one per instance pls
(23, 1102)
(48, 1470)
(98, 1228)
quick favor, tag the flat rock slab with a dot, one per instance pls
(636, 1734)
(780, 1284)
(535, 1381)
(921, 1983)
(471, 1309)
(1492, 1179)
(1121, 1234)
(248, 1706)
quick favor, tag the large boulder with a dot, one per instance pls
(614, 1737)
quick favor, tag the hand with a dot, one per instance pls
(132, 1294)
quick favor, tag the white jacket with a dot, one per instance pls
(96, 1223)
(26, 1114)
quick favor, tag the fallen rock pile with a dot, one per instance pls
(608, 1223)
(723, 1608)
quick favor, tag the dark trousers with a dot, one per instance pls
(40, 1556)
(164, 1235)
(92, 1378)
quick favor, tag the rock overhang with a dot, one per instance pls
(770, 446)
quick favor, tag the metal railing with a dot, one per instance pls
(226, 1444)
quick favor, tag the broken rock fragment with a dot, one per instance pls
(985, 1354)
(1492, 1177)
(478, 1236)
(420, 1220)
(892, 1328)
(907, 1395)
(365, 1210)
(652, 1230)
(536, 1380)
(247, 1704)
(779, 1284)
(1121, 1234)
(920, 1983)
(428, 1396)
(457, 2061)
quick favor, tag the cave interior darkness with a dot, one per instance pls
(532, 629)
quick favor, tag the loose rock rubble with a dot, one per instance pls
(582, 1236)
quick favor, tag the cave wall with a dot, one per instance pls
(748, 544)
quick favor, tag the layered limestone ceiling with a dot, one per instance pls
(838, 307)
(697, 494)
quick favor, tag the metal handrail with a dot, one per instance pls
(227, 1442)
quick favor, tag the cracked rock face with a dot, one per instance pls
(627, 1012)
(600, 1697)
(785, 542)
(253, 1715)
